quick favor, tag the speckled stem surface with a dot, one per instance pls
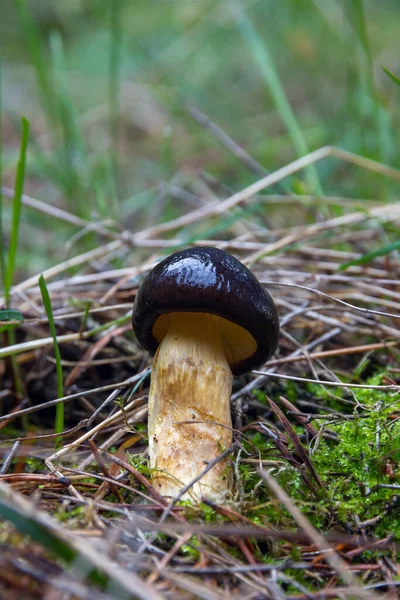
(189, 408)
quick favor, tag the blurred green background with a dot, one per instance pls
(109, 86)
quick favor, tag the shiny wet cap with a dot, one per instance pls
(208, 280)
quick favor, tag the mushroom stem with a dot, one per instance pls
(189, 407)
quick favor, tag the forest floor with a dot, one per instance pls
(111, 186)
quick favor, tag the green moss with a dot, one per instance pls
(190, 549)
(141, 464)
(34, 464)
(351, 469)
(261, 397)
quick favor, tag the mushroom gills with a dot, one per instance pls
(189, 403)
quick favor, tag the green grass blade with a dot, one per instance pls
(80, 557)
(73, 139)
(10, 319)
(359, 24)
(115, 323)
(7, 267)
(263, 58)
(356, 15)
(59, 424)
(114, 69)
(391, 75)
(35, 46)
(72, 149)
(365, 258)
(2, 257)
(16, 212)
(11, 315)
(28, 525)
(85, 316)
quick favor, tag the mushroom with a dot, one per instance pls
(206, 318)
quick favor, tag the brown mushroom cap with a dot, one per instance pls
(208, 280)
